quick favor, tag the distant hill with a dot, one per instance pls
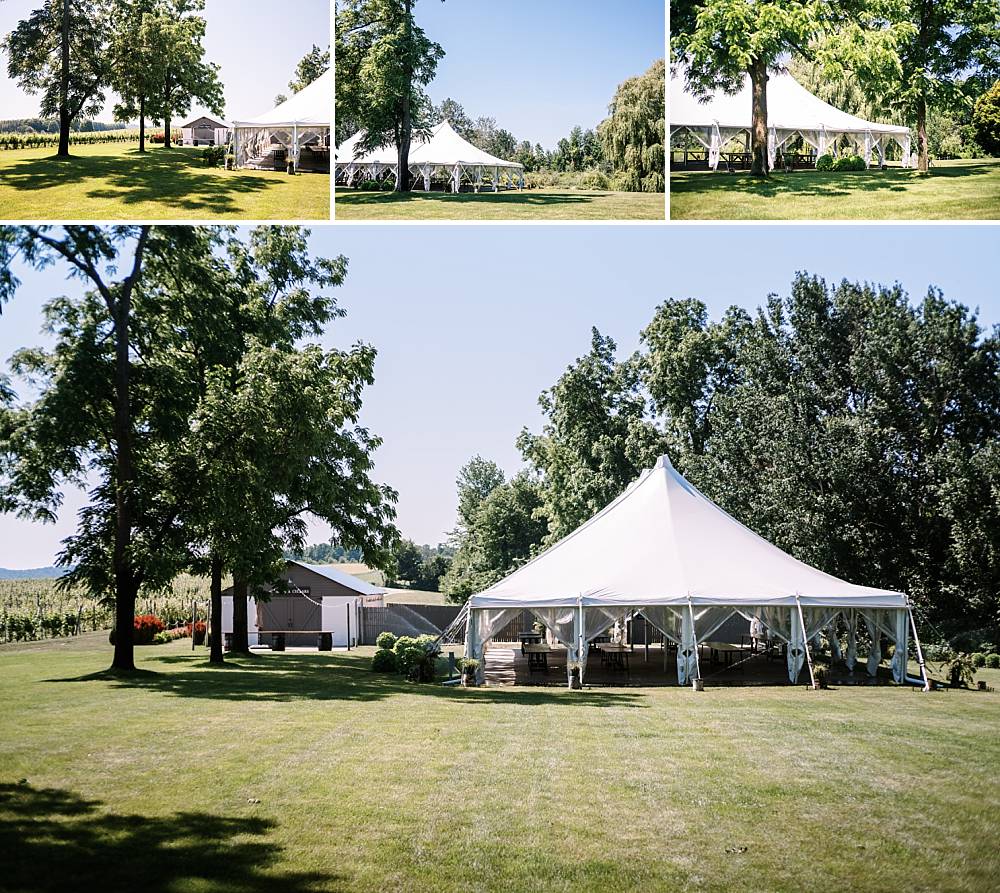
(32, 573)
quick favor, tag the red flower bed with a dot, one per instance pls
(147, 626)
(200, 628)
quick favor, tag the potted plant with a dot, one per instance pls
(470, 666)
(959, 670)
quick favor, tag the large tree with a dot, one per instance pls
(633, 134)
(311, 66)
(595, 440)
(496, 534)
(137, 62)
(948, 41)
(854, 429)
(384, 60)
(61, 52)
(721, 42)
(91, 419)
(176, 33)
(182, 390)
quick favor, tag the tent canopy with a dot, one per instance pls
(662, 542)
(790, 106)
(311, 106)
(445, 147)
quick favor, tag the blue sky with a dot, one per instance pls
(473, 322)
(539, 68)
(257, 45)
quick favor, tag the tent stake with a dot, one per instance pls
(920, 652)
(805, 640)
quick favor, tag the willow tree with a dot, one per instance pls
(61, 52)
(722, 42)
(383, 62)
(633, 135)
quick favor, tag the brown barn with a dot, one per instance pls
(202, 131)
(320, 599)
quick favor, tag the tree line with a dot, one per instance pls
(151, 53)
(183, 393)
(906, 56)
(384, 60)
(855, 429)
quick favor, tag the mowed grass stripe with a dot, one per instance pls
(954, 190)
(369, 783)
(531, 204)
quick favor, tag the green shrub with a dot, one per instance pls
(416, 658)
(978, 659)
(993, 661)
(213, 156)
(849, 163)
(593, 180)
(385, 640)
(384, 661)
(162, 638)
(824, 163)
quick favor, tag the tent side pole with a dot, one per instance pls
(805, 642)
(920, 651)
(694, 635)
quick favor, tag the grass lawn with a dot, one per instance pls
(955, 190)
(531, 204)
(114, 182)
(298, 772)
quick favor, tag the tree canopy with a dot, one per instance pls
(384, 60)
(183, 390)
(61, 53)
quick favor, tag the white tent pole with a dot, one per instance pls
(920, 651)
(805, 641)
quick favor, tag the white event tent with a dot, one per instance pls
(300, 122)
(665, 551)
(791, 110)
(445, 152)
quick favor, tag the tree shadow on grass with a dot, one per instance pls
(167, 176)
(355, 199)
(821, 183)
(53, 840)
(324, 677)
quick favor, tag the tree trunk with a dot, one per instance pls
(406, 122)
(125, 597)
(758, 129)
(923, 155)
(241, 638)
(215, 652)
(126, 580)
(64, 120)
(142, 123)
(166, 113)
